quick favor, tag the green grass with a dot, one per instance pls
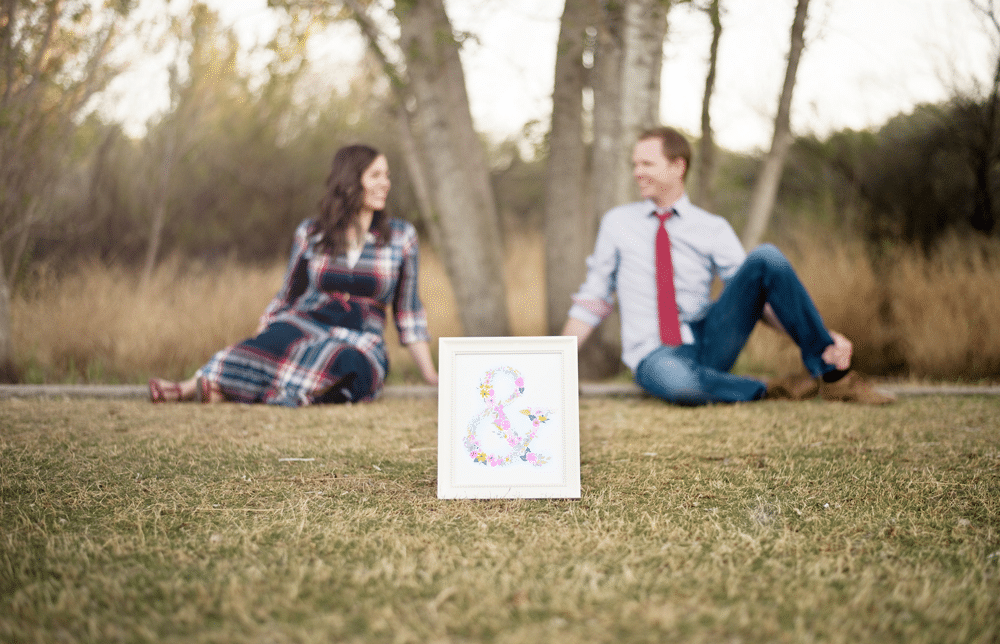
(773, 522)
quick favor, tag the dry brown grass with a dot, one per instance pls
(100, 322)
(122, 521)
(926, 318)
(843, 284)
(910, 315)
(946, 311)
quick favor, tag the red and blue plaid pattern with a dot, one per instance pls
(326, 307)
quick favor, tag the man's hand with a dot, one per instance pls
(839, 353)
(579, 328)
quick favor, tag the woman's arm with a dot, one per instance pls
(408, 310)
(421, 352)
(296, 277)
(840, 352)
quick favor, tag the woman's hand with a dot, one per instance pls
(421, 352)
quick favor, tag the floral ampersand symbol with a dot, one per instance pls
(519, 445)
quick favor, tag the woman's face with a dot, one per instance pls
(375, 182)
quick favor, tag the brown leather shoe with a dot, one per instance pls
(801, 386)
(854, 388)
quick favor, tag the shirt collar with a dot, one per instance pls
(680, 206)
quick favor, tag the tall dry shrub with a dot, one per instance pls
(907, 315)
(97, 322)
(853, 297)
(848, 294)
(929, 318)
(524, 268)
(946, 309)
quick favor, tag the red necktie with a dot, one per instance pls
(670, 327)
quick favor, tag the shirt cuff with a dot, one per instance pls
(582, 313)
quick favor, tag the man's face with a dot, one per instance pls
(659, 178)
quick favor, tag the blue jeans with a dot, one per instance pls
(696, 374)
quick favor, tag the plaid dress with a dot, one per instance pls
(324, 308)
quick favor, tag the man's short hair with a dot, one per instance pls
(674, 144)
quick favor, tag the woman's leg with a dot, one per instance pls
(162, 391)
(250, 371)
(290, 366)
(354, 378)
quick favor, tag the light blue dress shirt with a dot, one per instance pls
(703, 246)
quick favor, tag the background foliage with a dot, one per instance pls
(240, 158)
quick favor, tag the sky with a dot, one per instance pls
(865, 61)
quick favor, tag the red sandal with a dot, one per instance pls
(159, 388)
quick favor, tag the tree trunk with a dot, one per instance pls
(607, 91)
(8, 373)
(568, 219)
(625, 84)
(160, 206)
(417, 169)
(28, 221)
(706, 147)
(765, 190)
(628, 63)
(457, 173)
(642, 66)
(983, 215)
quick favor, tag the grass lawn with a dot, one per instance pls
(771, 522)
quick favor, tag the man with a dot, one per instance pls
(660, 256)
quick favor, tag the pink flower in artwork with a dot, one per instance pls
(535, 423)
(519, 382)
(531, 457)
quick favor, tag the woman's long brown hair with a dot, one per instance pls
(345, 197)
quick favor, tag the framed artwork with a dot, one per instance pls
(508, 418)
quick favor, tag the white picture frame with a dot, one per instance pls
(508, 418)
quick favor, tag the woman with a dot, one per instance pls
(321, 338)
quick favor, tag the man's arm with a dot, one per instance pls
(839, 353)
(595, 299)
(579, 328)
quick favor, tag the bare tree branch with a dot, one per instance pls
(986, 7)
(765, 189)
(379, 41)
(706, 156)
